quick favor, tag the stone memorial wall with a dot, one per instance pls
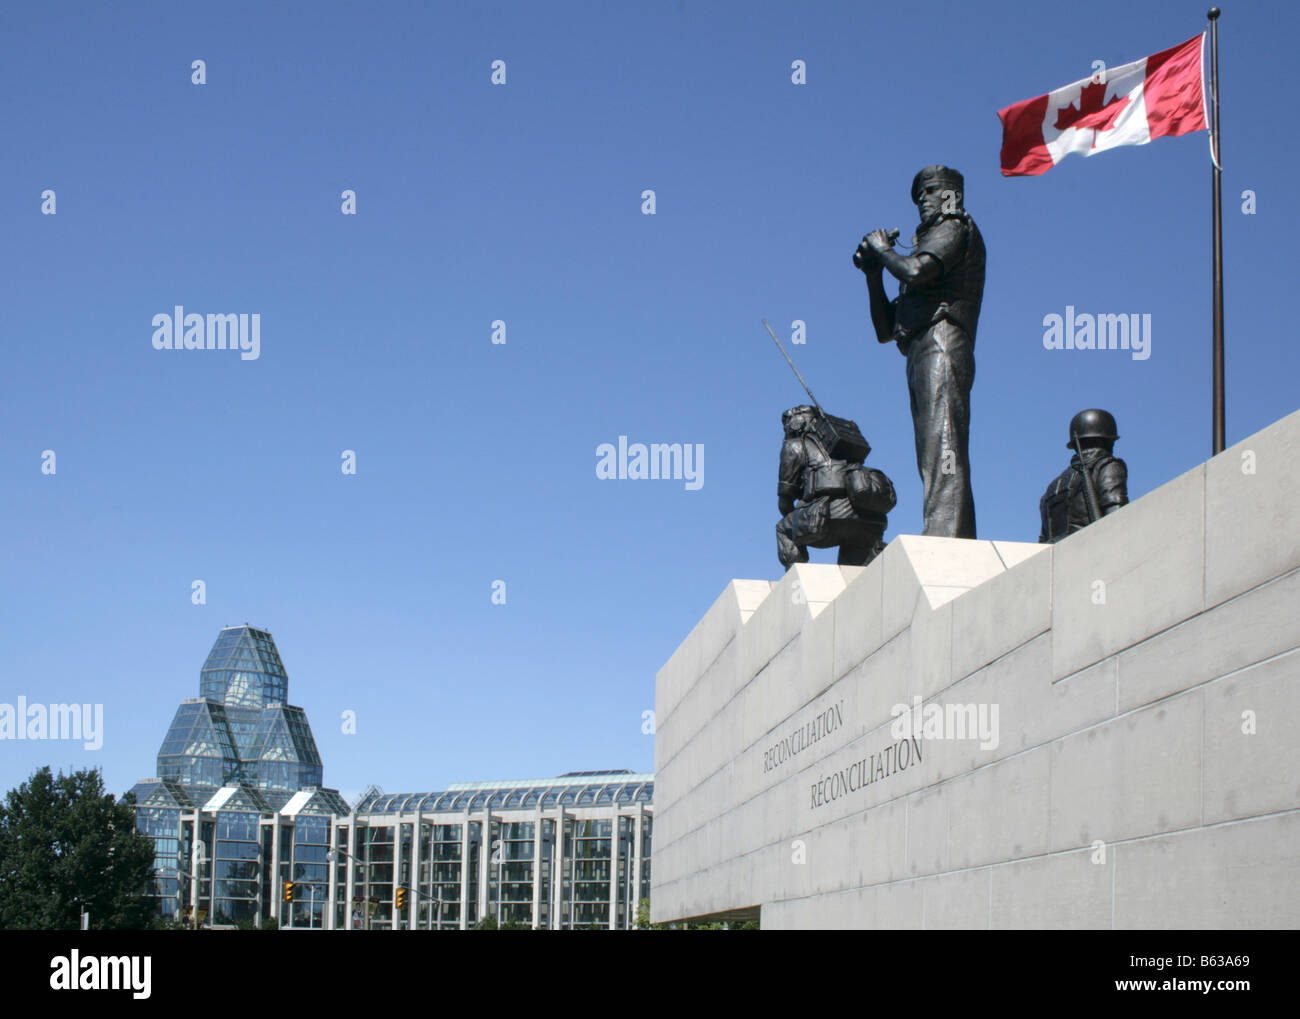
(988, 734)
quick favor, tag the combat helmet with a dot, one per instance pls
(1092, 424)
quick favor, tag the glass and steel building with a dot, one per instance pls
(237, 805)
(237, 812)
(565, 853)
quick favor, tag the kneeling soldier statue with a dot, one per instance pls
(1095, 483)
(840, 502)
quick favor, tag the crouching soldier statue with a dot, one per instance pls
(839, 501)
(1095, 483)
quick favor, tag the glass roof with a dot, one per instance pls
(244, 668)
(587, 789)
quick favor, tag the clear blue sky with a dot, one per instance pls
(522, 202)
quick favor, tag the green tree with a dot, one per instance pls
(66, 845)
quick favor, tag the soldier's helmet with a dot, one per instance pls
(803, 411)
(944, 176)
(1093, 424)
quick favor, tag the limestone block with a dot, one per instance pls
(743, 827)
(801, 593)
(1065, 891)
(1235, 876)
(858, 618)
(1050, 710)
(931, 655)
(957, 901)
(1135, 775)
(927, 831)
(900, 588)
(923, 573)
(1013, 553)
(831, 912)
(880, 682)
(878, 843)
(847, 910)
(999, 812)
(839, 778)
(821, 583)
(829, 859)
(773, 694)
(721, 682)
(897, 906)
(1031, 709)
(720, 738)
(699, 708)
(951, 562)
(1247, 629)
(817, 655)
(816, 729)
(1251, 518)
(715, 629)
(1147, 561)
(1257, 773)
(1008, 610)
(749, 595)
(795, 879)
(767, 862)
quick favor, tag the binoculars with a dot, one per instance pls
(863, 254)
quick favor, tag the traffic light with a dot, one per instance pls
(401, 898)
(288, 891)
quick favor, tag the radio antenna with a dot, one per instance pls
(793, 368)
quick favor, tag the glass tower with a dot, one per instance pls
(236, 806)
(240, 731)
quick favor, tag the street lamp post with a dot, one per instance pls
(200, 858)
(498, 852)
(332, 855)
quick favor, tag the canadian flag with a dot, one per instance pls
(1158, 95)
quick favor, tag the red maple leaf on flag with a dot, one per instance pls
(1093, 111)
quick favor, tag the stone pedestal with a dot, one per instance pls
(1102, 733)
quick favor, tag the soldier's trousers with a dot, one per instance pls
(940, 373)
(858, 537)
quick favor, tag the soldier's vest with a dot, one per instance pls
(956, 295)
(821, 475)
(1064, 507)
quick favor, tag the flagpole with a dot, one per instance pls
(1216, 171)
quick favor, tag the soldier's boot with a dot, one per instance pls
(787, 551)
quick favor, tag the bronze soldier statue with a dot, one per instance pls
(840, 502)
(933, 321)
(1095, 483)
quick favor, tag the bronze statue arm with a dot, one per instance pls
(790, 475)
(1113, 486)
(914, 270)
(882, 308)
